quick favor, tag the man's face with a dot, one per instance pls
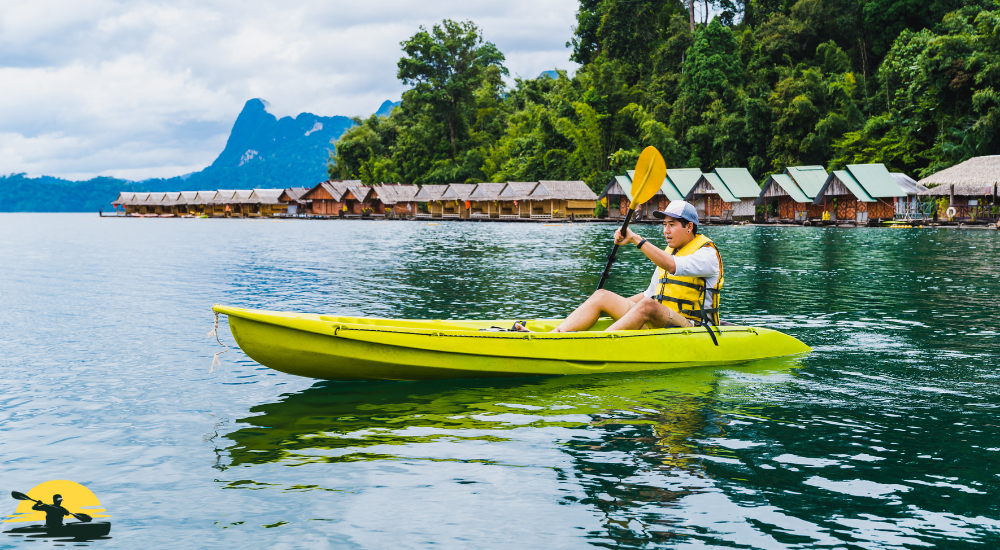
(676, 235)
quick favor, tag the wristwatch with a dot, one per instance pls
(642, 242)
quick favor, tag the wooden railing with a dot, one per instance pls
(985, 212)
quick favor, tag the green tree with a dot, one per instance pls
(445, 65)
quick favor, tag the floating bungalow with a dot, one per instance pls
(292, 199)
(794, 192)
(169, 202)
(265, 203)
(456, 201)
(430, 195)
(152, 204)
(329, 198)
(184, 205)
(515, 199)
(395, 199)
(562, 199)
(357, 200)
(485, 198)
(742, 186)
(712, 199)
(123, 199)
(970, 188)
(220, 205)
(203, 202)
(859, 192)
(792, 202)
(619, 195)
(239, 205)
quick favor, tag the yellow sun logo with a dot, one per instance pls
(76, 499)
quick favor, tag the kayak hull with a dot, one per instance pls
(358, 348)
(79, 531)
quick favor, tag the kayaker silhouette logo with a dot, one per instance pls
(61, 510)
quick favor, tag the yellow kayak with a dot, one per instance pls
(361, 348)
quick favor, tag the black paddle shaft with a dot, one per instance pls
(614, 251)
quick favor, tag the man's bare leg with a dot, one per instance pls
(652, 313)
(602, 302)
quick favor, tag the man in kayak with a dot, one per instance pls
(54, 513)
(683, 291)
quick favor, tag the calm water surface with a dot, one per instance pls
(886, 436)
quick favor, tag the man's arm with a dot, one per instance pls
(39, 506)
(654, 253)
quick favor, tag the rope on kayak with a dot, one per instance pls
(215, 332)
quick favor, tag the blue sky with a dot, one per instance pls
(151, 88)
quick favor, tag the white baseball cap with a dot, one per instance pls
(682, 210)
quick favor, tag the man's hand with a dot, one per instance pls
(629, 237)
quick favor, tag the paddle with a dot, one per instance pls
(22, 496)
(650, 171)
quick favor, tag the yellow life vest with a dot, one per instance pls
(686, 295)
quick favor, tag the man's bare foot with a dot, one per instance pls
(519, 326)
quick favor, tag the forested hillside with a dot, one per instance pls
(912, 84)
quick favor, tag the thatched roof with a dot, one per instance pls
(223, 196)
(907, 184)
(265, 196)
(123, 198)
(204, 197)
(170, 198)
(517, 190)
(977, 176)
(391, 193)
(962, 190)
(487, 191)
(458, 191)
(335, 188)
(360, 192)
(563, 190)
(429, 193)
(242, 196)
(293, 194)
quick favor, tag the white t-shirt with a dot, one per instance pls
(704, 262)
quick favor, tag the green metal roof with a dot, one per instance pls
(849, 182)
(788, 184)
(810, 179)
(739, 182)
(876, 180)
(721, 188)
(684, 179)
(667, 187)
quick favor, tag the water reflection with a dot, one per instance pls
(614, 426)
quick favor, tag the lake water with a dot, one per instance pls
(885, 436)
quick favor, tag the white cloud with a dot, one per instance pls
(151, 88)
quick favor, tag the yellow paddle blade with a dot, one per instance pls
(650, 172)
